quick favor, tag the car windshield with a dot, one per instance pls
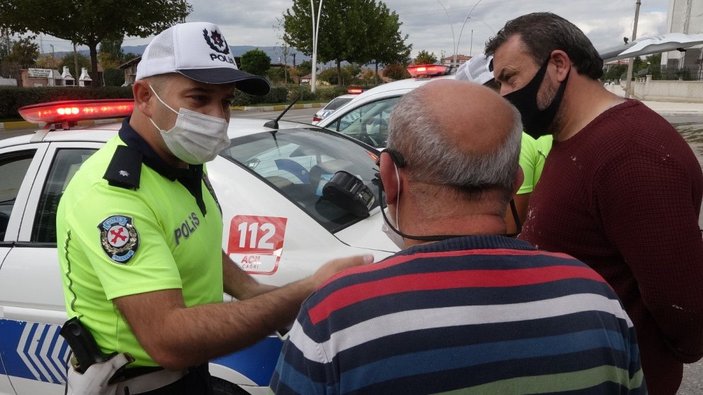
(299, 162)
(337, 102)
(368, 123)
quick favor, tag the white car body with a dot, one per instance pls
(290, 242)
(331, 107)
(366, 117)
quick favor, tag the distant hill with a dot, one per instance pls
(273, 52)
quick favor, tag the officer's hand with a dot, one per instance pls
(337, 265)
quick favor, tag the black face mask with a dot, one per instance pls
(536, 122)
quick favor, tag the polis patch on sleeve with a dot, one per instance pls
(119, 238)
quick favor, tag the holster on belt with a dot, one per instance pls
(93, 372)
(97, 378)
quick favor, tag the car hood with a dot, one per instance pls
(367, 234)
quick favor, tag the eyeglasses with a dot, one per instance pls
(396, 157)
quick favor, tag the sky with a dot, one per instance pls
(437, 26)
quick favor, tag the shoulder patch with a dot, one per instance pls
(119, 238)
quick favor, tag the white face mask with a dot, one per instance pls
(195, 138)
(397, 239)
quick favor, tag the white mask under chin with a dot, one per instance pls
(195, 138)
(397, 239)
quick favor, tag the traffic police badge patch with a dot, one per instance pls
(119, 238)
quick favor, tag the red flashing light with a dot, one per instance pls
(427, 70)
(76, 110)
(354, 90)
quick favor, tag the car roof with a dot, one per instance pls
(102, 132)
(395, 88)
(346, 96)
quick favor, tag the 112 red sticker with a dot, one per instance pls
(256, 242)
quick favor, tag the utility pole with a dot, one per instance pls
(453, 37)
(471, 47)
(315, 33)
(628, 84)
(75, 64)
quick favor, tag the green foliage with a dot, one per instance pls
(396, 71)
(356, 31)
(304, 68)
(48, 61)
(91, 22)
(5, 43)
(24, 52)
(113, 77)
(391, 47)
(256, 62)
(424, 57)
(111, 55)
(655, 67)
(275, 95)
(331, 76)
(12, 98)
(614, 72)
(331, 92)
(277, 75)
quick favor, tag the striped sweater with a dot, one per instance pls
(478, 314)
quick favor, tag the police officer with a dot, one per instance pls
(141, 290)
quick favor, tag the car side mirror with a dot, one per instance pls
(349, 192)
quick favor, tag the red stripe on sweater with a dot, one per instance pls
(398, 259)
(446, 280)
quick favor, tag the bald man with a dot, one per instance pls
(461, 307)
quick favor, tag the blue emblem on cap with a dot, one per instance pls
(216, 41)
(119, 238)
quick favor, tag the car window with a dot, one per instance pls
(13, 168)
(368, 123)
(299, 162)
(337, 102)
(65, 164)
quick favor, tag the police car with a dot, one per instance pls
(366, 117)
(279, 225)
(331, 107)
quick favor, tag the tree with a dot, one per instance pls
(24, 52)
(90, 22)
(396, 71)
(111, 55)
(424, 57)
(614, 72)
(655, 67)
(256, 62)
(304, 68)
(347, 29)
(5, 43)
(393, 49)
(113, 77)
(48, 61)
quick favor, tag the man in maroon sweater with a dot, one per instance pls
(621, 190)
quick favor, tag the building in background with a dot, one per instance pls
(685, 16)
(32, 77)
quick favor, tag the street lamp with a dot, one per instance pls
(455, 42)
(462, 29)
(452, 27)
(628, 83)
(315, 32)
